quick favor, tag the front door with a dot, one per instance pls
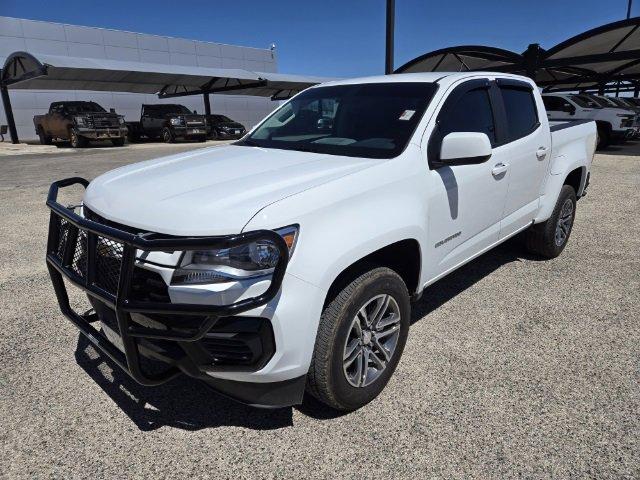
(466, 202)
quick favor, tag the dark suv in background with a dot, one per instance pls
(168, 122)
(78, 122)
(222, 128)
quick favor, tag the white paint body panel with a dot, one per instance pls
(346, 208)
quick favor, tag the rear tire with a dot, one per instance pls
(604, 138)
(356, 354)
(548, 239)
(167, 135)
(44, 138)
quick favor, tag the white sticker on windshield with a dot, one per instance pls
(407, 114)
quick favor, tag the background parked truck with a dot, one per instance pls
(168, 122)
(79, 122)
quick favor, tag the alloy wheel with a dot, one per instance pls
(371, 340)
(565, 221)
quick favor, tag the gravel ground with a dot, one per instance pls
(514, 367)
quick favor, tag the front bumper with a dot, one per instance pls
(103, 133)
(229, 135)
(624, 134)
(190, 131)
(172, 332)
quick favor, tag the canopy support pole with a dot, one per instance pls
(207, 105)
(8, 111)
(391, 13)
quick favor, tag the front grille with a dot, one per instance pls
(108, 262)
(99, 122)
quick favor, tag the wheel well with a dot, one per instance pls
(605, 126)
(574, 179)
(403, 257)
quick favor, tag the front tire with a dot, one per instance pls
(548, 239)
(167, 135)
(76, 140)
(360, 340)
(118, 142)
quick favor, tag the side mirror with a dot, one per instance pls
(195, 112)
(112, 110)
(465, 148)
(570, 109)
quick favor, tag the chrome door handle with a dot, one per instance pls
(499, 169)
(541, 153)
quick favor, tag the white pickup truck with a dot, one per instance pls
(287, 261)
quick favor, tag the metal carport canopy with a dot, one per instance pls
(26, 71)
(23, 70)
(609, 53)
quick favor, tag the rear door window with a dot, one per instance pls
(520, 110)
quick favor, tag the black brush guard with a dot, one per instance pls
(60, 262)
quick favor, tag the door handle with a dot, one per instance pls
(499, 169)
(541, 153)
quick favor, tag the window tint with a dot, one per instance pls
(471, 113)
(521, 112)
(555, 104)
(584, 101)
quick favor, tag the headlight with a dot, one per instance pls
(252, 260)
(121, 120)
(176, 121)
(80, 121)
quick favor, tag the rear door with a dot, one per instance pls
(146, 121)
(465, 202)
(527, 148)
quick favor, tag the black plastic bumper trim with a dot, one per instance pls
(281, 394)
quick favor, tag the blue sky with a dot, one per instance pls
(337, 38)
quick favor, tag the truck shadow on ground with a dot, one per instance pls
(189, 404)
(183, 403)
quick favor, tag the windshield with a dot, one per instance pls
(83, 107)
(620, 102)
(373, 120)
(220, 118)
(602, 102)
(585, 102)
(166, 109)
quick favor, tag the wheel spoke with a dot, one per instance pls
(363, 317)
(386, 333)
(389, 320)
(351, 351)
(381, 348)
(381, 308)
(364, 366)
(377, 361)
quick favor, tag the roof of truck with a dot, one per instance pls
(431, 77)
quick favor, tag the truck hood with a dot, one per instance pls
(211, 191)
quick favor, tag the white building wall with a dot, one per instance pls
(77, 41)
